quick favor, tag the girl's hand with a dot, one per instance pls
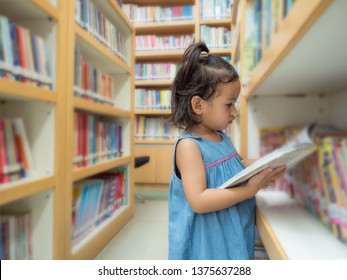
(266, 178)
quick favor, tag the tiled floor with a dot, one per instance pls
(144, 237)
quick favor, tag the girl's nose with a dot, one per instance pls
(234, 111)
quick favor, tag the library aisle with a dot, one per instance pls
(144, 237)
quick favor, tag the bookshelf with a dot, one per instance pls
(49, 114)
(298, 79)
(114, 57)
(156, 174)
(39, 108)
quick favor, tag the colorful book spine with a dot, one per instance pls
(15, 235)
(95, 200)
(96, 141)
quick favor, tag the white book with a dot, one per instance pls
(289, 154)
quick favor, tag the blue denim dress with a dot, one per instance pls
(225, 234)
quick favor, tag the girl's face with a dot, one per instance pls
(219, 113)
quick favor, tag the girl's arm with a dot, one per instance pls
(203, 200)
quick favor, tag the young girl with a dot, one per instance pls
(206, 222)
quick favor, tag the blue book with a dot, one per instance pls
(15, 49)
(34, 43)
(7, 46)
(187, 12)
(157, 100)
(112, 139)
(2, 55)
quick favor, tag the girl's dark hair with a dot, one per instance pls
(199, 75)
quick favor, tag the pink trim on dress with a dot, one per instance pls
(221, 160)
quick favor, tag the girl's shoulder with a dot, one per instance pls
(194, 135)
(199, 139)
(189, 135)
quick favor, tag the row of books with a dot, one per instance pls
(90, 82)
(155, 128)
(215, 37)
(263, 18)
(319, 183)
(15, 154)
(23, 55)
(96, 141)
(215, 9)
(163, 43)
(155, 71)
(144, 14)
(152, 99)
(94, 21)
(95, 200)
(15, 236)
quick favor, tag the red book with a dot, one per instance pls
(85, 139)
(22, 54)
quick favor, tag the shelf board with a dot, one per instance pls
(298, 235)
(25, 187)
(153, 112)
(226, 52)
(41, 10)
(93, 107)
(154, 83)
(176, 27)
(159, 2)
(104, 54)
(311, 46)
(92, 244)
(273, 247)
(88, 171)
(48, 8)
(224, 22)
(156, 142)
(157, 55)
(20, 91)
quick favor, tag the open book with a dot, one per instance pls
(289, 154)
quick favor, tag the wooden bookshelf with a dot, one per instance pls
(290, 85)
(19, 91)
(174, 27)
(184, 26)
(24, 188)
(48, 116)
(122, 72)
(40, 110)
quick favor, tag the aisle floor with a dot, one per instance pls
(144, 237)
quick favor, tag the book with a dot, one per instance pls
(289, 154)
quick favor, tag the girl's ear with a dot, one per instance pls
(196, 103)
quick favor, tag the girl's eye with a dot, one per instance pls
(230, 104)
